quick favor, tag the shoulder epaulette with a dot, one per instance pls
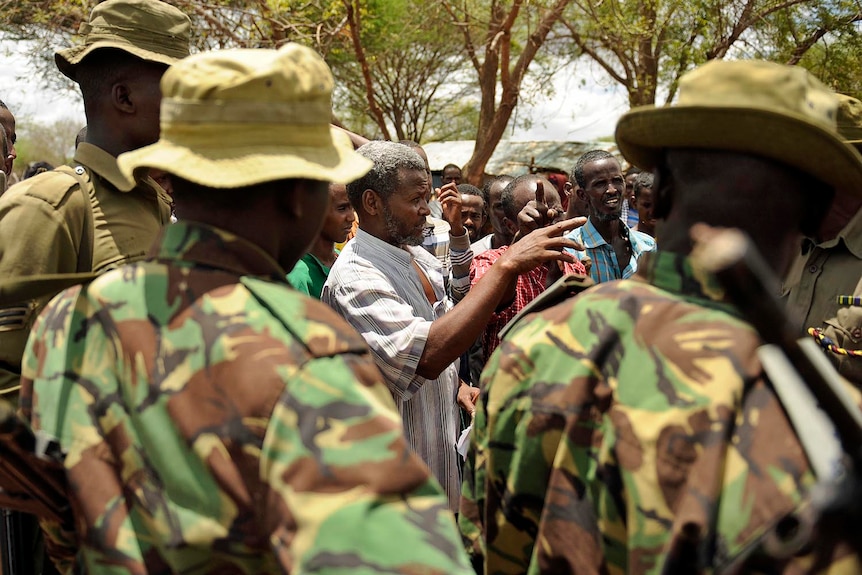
(53, 186)
(564, 288)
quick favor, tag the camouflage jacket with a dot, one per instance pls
(628, 427)
(216, 421)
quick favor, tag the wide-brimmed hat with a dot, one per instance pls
(149, 29)
(236, 118)
(761, 108)
(850, 120)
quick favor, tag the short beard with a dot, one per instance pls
(395, 235)
(604, 216)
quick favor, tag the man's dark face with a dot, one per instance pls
(630, 187)
(604, 189)
(644, 205)
(424, 156)
(404, 212)
(7, 121)
(472, 215)
(451, 175)
(495, 211)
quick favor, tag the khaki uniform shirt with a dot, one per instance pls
(42, 228)
(823, 272)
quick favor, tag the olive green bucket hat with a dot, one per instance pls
(236, 118)
(149, 29)
(850, 120)
(761, 108)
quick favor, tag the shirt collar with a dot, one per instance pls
(103, 164)
(590, 236)
(676, 274)
(399, 255)
(851, 235)
(197, 243)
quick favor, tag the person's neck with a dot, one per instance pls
(323, 250)
(499, 239)
(106, 143)
(609, 229)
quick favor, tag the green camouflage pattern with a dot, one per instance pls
(216, 421)
(629, 430)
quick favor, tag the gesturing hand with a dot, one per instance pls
(450, 201)
(543, 245)
(536, 214)
(467, 397)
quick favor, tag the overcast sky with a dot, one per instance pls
(583, 106)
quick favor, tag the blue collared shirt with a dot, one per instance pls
(605, 266)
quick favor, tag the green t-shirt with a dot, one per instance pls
(308, 275)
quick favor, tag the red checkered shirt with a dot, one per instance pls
(529, 286)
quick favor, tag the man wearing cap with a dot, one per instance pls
(830, 265)
(632, 429)
(89, 217)
(213, 419)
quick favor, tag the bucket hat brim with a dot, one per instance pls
(229, 168)
(644, 133)
(67, 60)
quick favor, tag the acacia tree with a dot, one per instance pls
(398, 70)
(645, 44)
(390, 57)
(501, 40)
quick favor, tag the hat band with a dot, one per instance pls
(159, 43)
(304, 114)
(250, 136)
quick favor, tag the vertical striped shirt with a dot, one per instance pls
(376, 288)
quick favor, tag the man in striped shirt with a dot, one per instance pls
(391, 291)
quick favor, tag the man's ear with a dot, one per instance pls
(510, 225)
(634, 202)
(290, 199)
(582, 194)
(371, 202)
(121, 98)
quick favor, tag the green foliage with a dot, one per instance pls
(646, 45)
(52, 142)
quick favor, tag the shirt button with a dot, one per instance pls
(812, 269)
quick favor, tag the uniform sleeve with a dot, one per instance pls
(36, 237)
(535, 445)
(67, 406)
(345, 491)
(388, 325)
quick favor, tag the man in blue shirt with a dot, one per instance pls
(613, 248)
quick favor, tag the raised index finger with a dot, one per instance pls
(540, 193)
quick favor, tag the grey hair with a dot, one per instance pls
(389, 158)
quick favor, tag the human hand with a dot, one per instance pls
(542, 245)
(450, 200)
(536, 214)
(467, 397)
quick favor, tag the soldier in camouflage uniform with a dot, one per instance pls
(89, 217)
(631, 429)
(213, 419)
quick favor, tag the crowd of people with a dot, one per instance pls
(286, 351)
